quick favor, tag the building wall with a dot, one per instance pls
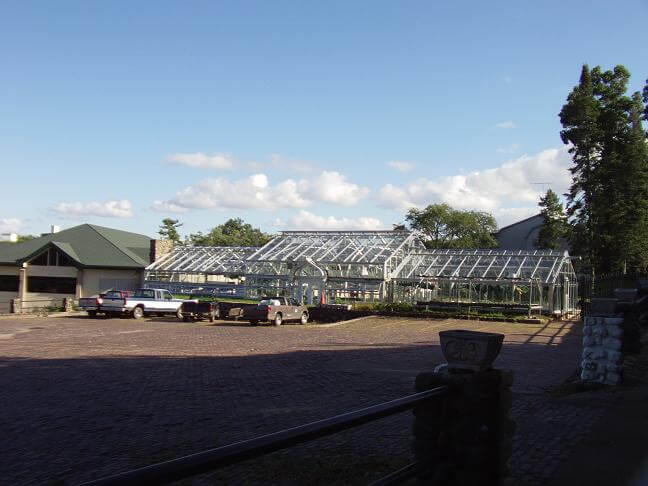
(520, 236)
(94, 281)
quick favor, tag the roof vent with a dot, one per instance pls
(55, 229)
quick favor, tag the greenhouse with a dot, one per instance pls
(370, 266)
(540, 281)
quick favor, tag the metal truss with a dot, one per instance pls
(214, 260)
(485, 266)
(343, 254)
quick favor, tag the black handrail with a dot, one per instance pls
(182, 467)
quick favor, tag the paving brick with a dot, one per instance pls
(83, 398)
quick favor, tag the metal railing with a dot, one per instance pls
(212, 459)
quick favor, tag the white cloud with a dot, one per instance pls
(256, 192)
(309, 221)
(510, 185)
(167, 207)
(11, 225)
(505, 124)
(108, 209)
(333, 188)
(509, 149)
(201, 160)
(401, 166)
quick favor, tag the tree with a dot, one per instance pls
(234, 232)
(606, 203)
(441, 226)
(22, 238)
(169, 229)
(554, 225)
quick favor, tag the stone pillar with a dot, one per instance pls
(68, 304)
(159, 248)
(465, 438)
(602, 343)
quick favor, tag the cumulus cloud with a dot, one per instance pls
(309, 221)
(510, 185)
(401, 166)
(505, 124)
(256, 192)
(167, 207)
(108, 209)
(11, 225)
(201, 160)
(333, 188)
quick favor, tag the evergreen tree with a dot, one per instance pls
(607, 202)
(554, 226)
(169, 229)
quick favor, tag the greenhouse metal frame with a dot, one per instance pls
(378, 266)
(540, 280)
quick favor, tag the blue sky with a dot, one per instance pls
(291, 115)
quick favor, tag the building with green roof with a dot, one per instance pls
(76, 262)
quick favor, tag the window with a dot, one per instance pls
(9, 283)
(145, 294)
(52, 257)
(51, 285)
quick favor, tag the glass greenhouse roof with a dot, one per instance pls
(485, 265)
(215, 260)
(337, 247)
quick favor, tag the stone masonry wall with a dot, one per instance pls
(602, 349)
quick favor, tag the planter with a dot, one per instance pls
(470, 350)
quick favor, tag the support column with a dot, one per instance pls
(79, 284)
(465, 438)
(22, 289)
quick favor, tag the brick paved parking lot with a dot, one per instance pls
(84, 398)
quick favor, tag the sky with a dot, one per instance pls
(292, 115)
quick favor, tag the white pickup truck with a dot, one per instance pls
(144, 302)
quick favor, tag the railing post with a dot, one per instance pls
(16, 306)
(466, 438)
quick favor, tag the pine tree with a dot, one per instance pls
(607, 204)
(579, 119)
(169, 229)
(554, 226)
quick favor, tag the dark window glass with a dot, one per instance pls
(40, 259)
(64, 261)
(51, 285)
(9, 283)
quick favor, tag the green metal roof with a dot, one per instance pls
(88, 245)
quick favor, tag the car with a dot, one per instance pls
(94, 305)
(276, 310)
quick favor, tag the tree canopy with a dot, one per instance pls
(442, 226)
(234, 232)
(607, 203)
(169, 229)
(554, 225)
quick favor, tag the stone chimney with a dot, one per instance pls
(159, 248)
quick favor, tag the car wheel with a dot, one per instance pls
(92, 314)
(278, 319)
(304, 318)
(138, 313)
(253, 323)
(185, 319)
